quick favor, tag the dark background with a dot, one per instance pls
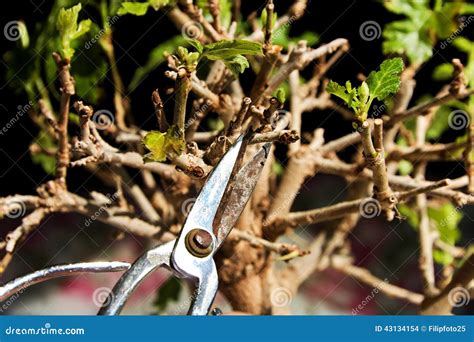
(330, 19)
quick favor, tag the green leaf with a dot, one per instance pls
(404, 37)
(281, 36)
(444, 20)
(47, 162)
(24, 36)
(447, 218)
(444, 219)
(74, 119)
(164, 145)
(69, 30)
(158, 4)
(135, 8)
(155, 142)
(405, 167)
(155, 58)
(229, 51)
(418, 32)
(364, 92)
(464, 44)
(277, 168)
(467, 47)
(408, 36)
(410, 214)
(215, 124)
(263, 17)
(169, 292)
(347, 94)
(237, 64)
(386, 81)
(196, 44)
(90, 75)
(442, 257)
(175, 143)
(226, 12)
(140, 8)
(467, 9)
(225, 7)
(378, 85)
(225, 49)
(280, 95)
(114, 6)
(407, 7)
(83, 27)
(66, 22)
(443, 72)
(439, 124)
(311, 38)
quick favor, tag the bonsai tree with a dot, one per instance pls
(228, 74)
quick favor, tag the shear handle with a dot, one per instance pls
(147, 263)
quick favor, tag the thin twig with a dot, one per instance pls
(67, 90)
(384, 286)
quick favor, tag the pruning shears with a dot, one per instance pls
(213, 215)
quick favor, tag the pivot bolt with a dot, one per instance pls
(199, 243)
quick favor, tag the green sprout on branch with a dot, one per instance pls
(379, 85)
(69, 29)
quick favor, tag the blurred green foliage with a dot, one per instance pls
(423, 25)
(444, 219)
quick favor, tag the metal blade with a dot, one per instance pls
(205, 208)
(203, 213)
(243, 185)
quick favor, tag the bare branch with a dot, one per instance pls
(366, 277)
(67, 90)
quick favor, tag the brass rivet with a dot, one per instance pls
(199, 243)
